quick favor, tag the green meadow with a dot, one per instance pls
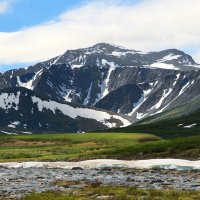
(116, 193)
(75, 147)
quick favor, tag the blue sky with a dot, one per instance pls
(36, 30)
(25, 13)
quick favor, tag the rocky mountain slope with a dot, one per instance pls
(106, 76)
(185, 114)
(181, 121)
(22, 111)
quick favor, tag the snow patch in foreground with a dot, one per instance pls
(102, 163)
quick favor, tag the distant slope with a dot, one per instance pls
(180, 121)
(179, 112)
(23, 111)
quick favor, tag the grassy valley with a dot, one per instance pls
(117, 193)
(74, 147)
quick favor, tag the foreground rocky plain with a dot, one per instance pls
(18, 182)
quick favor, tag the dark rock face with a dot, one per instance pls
(114, 78)
(121, 99)
(23, 111)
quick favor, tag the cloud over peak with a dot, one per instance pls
(147, 25)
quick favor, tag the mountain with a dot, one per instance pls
(105, 76)
(180, 112)
(23, 111)
(182, 121)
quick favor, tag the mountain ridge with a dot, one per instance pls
(109, 77)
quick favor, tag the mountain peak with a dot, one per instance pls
(108, 45)
(108, 48)
(169, 59)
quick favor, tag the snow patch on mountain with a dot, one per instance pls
(8, 133)
(122, 53)
(29, 85)
(137, 105)
(190, 126)
(64, 92)
(9, 101)
(66, 97)
(169, 58)
(166, 93)
(76, 66)
(86, 101)
(163, 66)
(184, 88)
(14, 124)
(72, 112)
(176, 80)
(55, 60)
(104, 86)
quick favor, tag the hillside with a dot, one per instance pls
(23, 111)
(181, 121)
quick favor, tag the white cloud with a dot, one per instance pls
(4, 6)
(147, 25)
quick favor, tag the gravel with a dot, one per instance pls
(17, 182)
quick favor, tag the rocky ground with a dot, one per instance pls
(18, 182)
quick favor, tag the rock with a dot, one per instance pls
(77, 168)
(21, 181)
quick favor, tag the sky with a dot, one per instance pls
(36, 30)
